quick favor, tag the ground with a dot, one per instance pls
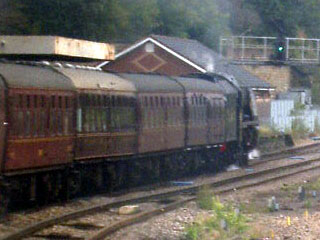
(263, 224)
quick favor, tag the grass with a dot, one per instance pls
(307, 204)
(211, 227)
(299, 129)
(268, 132)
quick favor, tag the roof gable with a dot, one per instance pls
(199, 57)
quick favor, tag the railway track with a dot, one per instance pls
(85, 220)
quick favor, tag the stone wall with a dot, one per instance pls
(277, 76)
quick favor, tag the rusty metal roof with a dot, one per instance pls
(88, 79)
(55, 46)
(28, 76)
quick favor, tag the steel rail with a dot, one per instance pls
(29, 230)
(158, 211)
(272, 156)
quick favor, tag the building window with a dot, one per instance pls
(149, 47)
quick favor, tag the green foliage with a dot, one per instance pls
(268, 131)
(299, 129)
(127, 20)
(314, 185)
(210, 226)
(307, 204)
(317, 126)
(205, 198)
(115, 20)
(298, 109)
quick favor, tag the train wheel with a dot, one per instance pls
(155, 169)
(165, 168)
(243, 159)
(4, 201)
(134, 173)
(117, 175)
(73, 184)
(196, 163)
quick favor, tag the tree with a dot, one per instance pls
(191, 19)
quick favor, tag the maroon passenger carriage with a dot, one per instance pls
(105, 127)
(69, 130)
(37, 130)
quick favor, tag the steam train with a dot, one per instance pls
(68, 129)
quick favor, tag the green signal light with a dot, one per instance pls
(280, 49)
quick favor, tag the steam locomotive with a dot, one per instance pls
(69, 129)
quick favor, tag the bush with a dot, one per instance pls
(210, 227)
(268, 132)
(317, 126)
(299, 129)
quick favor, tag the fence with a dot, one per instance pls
(260, 49)
(282, 114)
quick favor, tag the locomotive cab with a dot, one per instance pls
(250, 122)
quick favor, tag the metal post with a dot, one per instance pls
(232, 52)
(265, 41)
(287, 49)
(302, 50)
(242, 48)
(220, 46)
(318, 50)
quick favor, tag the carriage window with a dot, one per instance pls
(99, 101)
(20, 101)
(60, 101)
(104, 101)
(27, 122)
(112, 101)
(42, 101)
(173, 101)
(118, 101)
(162, 101)
(168, 102)
(28, 101)
(92, 100)
(156, 101)
(66, 99)
(151, 101)
(146, 101)
(35, 101)
(53, 102)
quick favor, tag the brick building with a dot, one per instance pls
(177, 56)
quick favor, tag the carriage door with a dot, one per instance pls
(3, 123)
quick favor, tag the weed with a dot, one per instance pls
(205, 198)
(268, 131)
(299, 129)
(316, 126)
(257, 231)
(307, 204)
(253, 207)
(211, 227)
(314, 185)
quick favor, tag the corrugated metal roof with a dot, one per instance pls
(86, 79)
(152, 83)
(207, 58)
(27, 76)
